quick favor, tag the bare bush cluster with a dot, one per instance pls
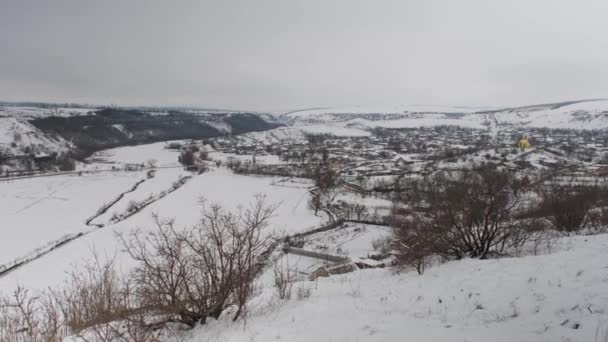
(486, 211)
(182, 276)
(470, 213)
(25, 317)
(568, 206)
(200, 271)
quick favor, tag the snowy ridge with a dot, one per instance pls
(582, 115)
(38, 112)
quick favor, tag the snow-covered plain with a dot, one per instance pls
(61, 204)
(37, 211)
(139, 154)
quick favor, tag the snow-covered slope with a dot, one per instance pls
(587, 114)
(19, 137)
(560, 296)
(580, 115)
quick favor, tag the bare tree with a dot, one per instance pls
(471, 213)
(190, 275)
(323, 195)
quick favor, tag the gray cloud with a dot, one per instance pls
(279, 54)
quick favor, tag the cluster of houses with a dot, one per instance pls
(397, 152)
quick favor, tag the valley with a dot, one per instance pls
(338, 180)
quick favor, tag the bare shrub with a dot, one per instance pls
(303, 292)
(472, 213)
(191, 275)
(186, 157)
(27, 317)
(415, 242)
(382, 245)
(94, 305)
(567, 206)
(97, 304)
(173, 146)
(91, 296)
(65, 162)
(284, 279)
(152, 163)
(349, 211)
(132, 206)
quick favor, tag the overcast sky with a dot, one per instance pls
(288, 54)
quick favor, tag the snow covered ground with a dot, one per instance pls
(139, 154)
(219, 186)
(560, 296)
(38, 211)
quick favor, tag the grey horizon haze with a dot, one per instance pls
(290, 54)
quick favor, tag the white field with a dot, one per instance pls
(37, 211)
(139, 154)
(65, 202)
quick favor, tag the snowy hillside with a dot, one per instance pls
(32, 138)
(560, 296)
(588, 115)
(19, 137)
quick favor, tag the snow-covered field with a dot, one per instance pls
(41, 210)
(140, 154)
